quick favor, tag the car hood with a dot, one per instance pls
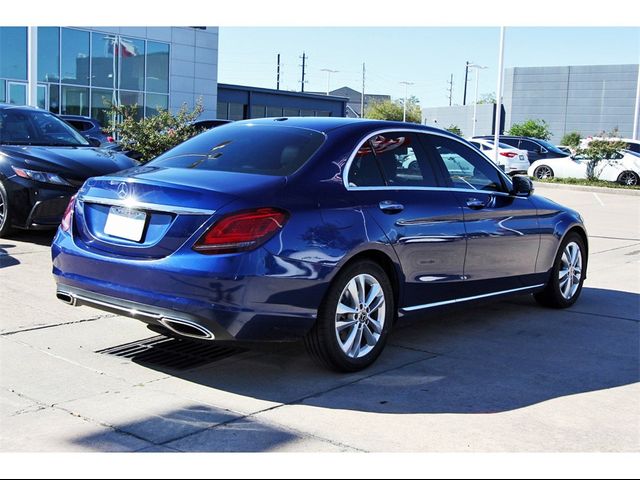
(71, 162)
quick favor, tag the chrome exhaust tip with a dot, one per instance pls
(187, 329)
(66, 298)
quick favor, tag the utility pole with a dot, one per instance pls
(362, 94)
(304, 69)
(278, 74)
(466, 77)
(450, 89)
(498, 115)
(404, 107)
(329, 72)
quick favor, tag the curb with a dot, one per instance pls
(586, 188)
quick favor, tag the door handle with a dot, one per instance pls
(387, 206)
(475, 203)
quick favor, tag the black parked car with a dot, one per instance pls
(536, 148)
(88, 127)
(43, 162)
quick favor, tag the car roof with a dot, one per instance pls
(326, 124)
(8, 106)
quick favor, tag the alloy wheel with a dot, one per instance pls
(360, 316)
(570, 271)
(543, 172)
(628, 178)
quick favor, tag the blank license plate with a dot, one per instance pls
(125, 223)
(521, 157)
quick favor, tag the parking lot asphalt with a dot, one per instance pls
(505, 376)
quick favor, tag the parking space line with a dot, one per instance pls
(598, 198)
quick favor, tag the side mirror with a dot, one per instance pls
(94, 142)
(522, 186)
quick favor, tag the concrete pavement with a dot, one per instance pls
(506, 376)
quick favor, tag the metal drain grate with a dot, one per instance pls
(171, 353)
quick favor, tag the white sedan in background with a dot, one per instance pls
(623, 168)
(512, 159)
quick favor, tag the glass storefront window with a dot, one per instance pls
(274, 112)
(157, 67)
(307, 113)
(48, 54)
(75, 101)
(131, 53)
(3, 93)
(75, 57)
(291, 112)
(54, 98)
(223, 110)
(154, 102)
(236, 111)
(101, 101)
(133, 99)
(258, 111)
(13, 52)
(16, 93)
(104, 64)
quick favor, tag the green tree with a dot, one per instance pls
(531, 128)
(154, 135)
(571, 139)
(487, 98)
(599, 150)
(392, 110)
(454, 129)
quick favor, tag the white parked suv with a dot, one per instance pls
(623, 168)
(513, 160)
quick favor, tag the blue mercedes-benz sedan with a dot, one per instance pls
(322, 229)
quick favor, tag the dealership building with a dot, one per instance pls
(588, 99)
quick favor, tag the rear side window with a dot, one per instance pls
(513, 142)
(465, 167)
(394, 159)
(256, 149)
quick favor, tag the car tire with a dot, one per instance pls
(543, 172)
(352, 339)
(5, 213)
(567, 275)
(628, 178)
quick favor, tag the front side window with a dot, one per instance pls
(256, 149)
(465, 167)
(394, 159)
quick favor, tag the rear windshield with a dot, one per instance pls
(246, 148)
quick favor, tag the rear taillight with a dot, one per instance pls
(67, 218)
(110, 139)
(508, 154)
(241, 231)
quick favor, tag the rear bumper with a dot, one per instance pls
(248, 297)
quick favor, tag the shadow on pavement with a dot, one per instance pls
(6, 260)
(42, 238)
(486, 358)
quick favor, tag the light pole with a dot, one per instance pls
(498, 115)
(329, 72)
(404, 106)
(475, 103)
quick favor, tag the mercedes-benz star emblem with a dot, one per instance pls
(123, 190)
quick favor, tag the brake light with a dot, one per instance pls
(110, 139)
(67, 218)
(242, 231)
(508, 154)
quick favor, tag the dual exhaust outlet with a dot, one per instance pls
(184, 328)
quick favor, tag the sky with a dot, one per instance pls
(424, 56)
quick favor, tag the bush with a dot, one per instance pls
(531, 128)
(153, 136)
(388, 110)
(454, 129)
(571, 139)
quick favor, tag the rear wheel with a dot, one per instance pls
(543, 172)
(5, 214)
(628, 178)
(354, 319)
(567, 276)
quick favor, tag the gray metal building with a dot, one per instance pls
(462, 117)
(82, 69)
(586, 99)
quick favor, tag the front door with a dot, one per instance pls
(501, 229)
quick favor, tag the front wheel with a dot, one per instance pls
(543, 172)
(354, 319)
(567, 275)
(628, 178)
(5, 219)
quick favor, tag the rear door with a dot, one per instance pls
(502, 230)
(395, 183)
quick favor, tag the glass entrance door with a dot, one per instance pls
(43, 97)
